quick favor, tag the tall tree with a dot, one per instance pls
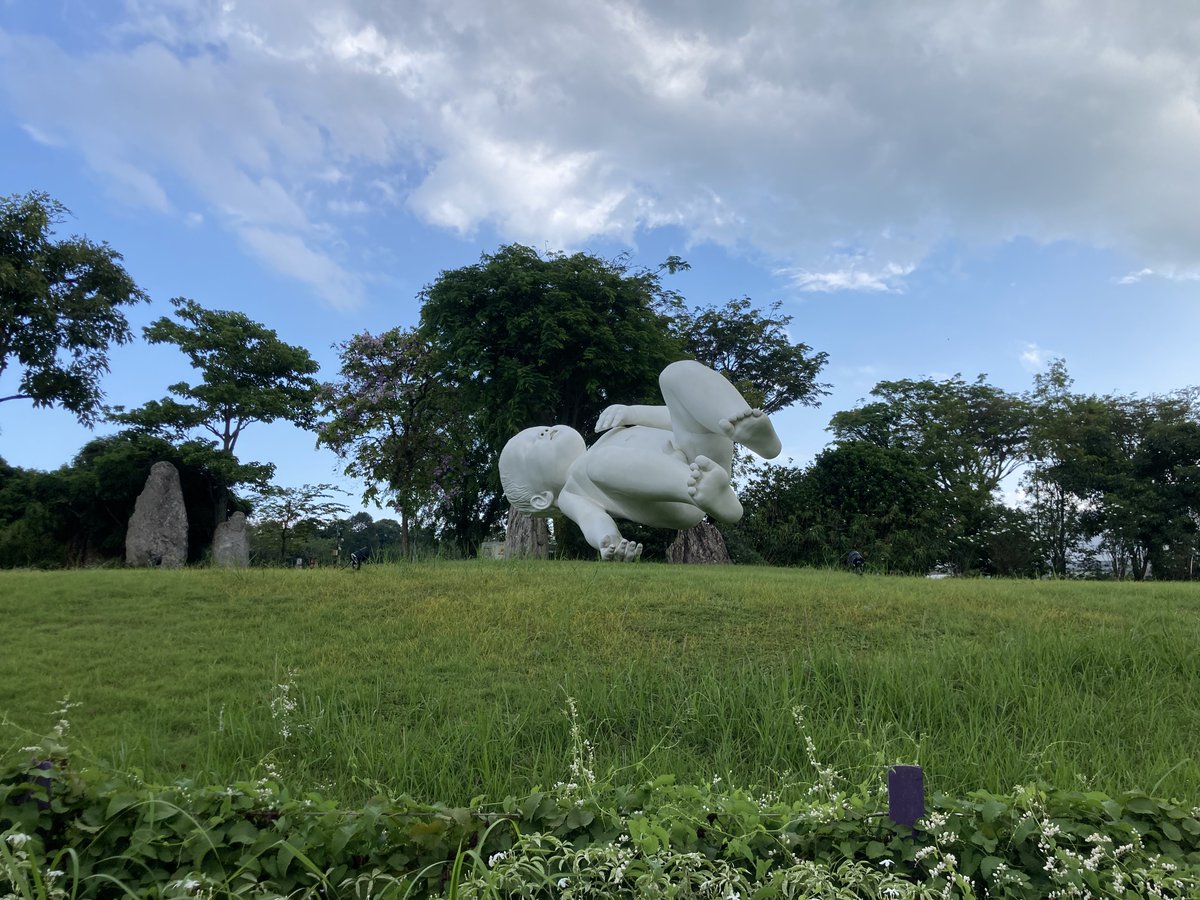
(753, 350)
(387, 417)
(525, 339)
(1135, 464)
(282, 510)
(247, 375)
(969, 435)
(1057, 511)
(60, 306)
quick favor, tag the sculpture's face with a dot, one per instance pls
(538, 458)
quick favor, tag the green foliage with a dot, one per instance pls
(77, 515)
(753, 351)
(968, 435)
(855, 496)
(529, 339)
(75, 827)
(282, 512)
(1121, 470)
(247, 375)
(61, 304)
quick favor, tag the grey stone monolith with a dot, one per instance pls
(231, 543)
(702, 543)
(158, 528)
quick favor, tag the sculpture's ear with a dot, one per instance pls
(542, 502)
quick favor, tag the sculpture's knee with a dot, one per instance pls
(683, 374)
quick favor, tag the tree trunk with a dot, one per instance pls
(701, 544)
(526, 536)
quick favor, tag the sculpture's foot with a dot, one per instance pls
(618, 549)
(754, 430)
(709, 488)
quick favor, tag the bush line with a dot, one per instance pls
(81, 830)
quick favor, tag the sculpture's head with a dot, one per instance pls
(534, 464)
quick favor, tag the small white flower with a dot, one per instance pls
(55, 873)
(562, 883)
(16, 840)
(495, 858)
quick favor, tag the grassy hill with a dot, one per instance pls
(451, 680)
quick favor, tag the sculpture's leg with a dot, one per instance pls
(703, 402)
(661, 488)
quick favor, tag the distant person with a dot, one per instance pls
(663, 466)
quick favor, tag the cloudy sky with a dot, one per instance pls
(927, 187)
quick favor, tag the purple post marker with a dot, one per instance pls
(906, 794)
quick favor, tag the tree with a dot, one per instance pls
(386, 418)
(854, 496)
(524, 339)
(466, 502)
(968, 435)
(283, 509)
(248, 375)
(754, 352)
(1135, 464)
(1056, 512)
(60, 306)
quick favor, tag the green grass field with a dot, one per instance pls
(450, 680)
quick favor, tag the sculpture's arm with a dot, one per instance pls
(620, 414)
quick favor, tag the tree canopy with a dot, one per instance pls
(60, 306)
(247, 375)
(968, 435)
(753, 350)
(528, 339)
(387, 416)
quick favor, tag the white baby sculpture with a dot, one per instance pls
(664, 466)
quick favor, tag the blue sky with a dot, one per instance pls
(928, 187)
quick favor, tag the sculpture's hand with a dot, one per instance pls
(612, 417)
(618, 549)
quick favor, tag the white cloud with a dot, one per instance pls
(291, 256)
(42, 137)
(1170, 274)
(1135, 277)
(788, 129)
(1034, 358)
(889, 279)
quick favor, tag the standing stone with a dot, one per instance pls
(526, 536)
(158, 528)
(701, 544)
(231, 543)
